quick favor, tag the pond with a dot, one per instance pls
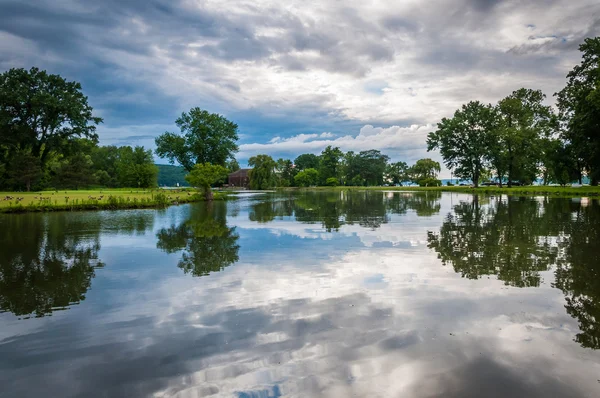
(315, 294)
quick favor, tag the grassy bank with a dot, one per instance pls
(105, 199)
(522, 191)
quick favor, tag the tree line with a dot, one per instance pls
(48, 139)
(519, 139)
(333, 167)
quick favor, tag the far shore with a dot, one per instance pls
(531, 190)
(118, 199)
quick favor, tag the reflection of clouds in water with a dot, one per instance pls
(353, 320)
(320, 332)
(415, 233)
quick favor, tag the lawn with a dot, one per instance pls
(92, 199)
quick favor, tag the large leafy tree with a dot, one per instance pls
(40, 113)
(307, 178)
(523, 122)
(397, 172)
(463, 140)
(372, 164)
(262, 175)
(136, 167)
(205, 138)
(424, 169)
(285, 172)
(579, 105)
(329, 163)
(306, 161)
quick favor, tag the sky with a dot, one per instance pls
(294, 75)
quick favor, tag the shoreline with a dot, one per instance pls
(533, 190)
(111, 200)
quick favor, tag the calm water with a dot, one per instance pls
(316, 295)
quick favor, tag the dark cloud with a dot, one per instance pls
(143, 62)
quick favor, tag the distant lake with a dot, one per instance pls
(313, 294)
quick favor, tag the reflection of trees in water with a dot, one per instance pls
(368, 209)
(578, 274)
(45, 262)
(504, 238)
(207, 243)
(518, 239)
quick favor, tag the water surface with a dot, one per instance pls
(363, 294)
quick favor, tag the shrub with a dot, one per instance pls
(429, 182)
(332, 182)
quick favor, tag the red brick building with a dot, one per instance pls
(239, 179)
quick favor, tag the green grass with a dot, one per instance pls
(533, 190)
(100, 199)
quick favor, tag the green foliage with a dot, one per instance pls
(429, 182)
(205, 138)
(24, 171)
(306, 161)
(136, 168)
(285, 173)
(424, 169)
(332, 182)
(41, 113)
(204, 175)
(465, 139)
(523, 121)
(307, 178)
(364, 168)
(262, 175)
(579, 105)
(232, 165)
(329, 163)
(397, 173)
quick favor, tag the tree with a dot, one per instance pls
(75, 172)
(397, 172)
(206, 138)
(372, 165)
(136, 168)
(350, 169)
(24, 170)
(424, 169)
(40, 113)
(232, 165)
(329, 163)
(306, 161)
(204, 175)
(262, 175)
(579, 106)
(307, 178)
(285, 172)
(522, 123)
(463, 140)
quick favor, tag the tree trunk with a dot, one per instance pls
(208, 194)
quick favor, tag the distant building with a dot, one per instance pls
(239, 179)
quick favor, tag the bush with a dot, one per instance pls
(429, 182)
(449, 184)
(332, 182)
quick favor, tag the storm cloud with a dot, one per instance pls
(285, 69)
